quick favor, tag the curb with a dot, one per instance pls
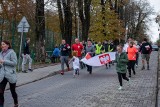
(46, 66)
(158, 80)
(49, 75)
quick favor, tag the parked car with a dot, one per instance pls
(155, 48)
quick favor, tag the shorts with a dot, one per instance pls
(146, 56)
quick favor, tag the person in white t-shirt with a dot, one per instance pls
(127, 44)
(137, 56)
(76, 63)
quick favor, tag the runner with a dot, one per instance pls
(64, 48)
(131, 52)
(137, 56)
(145, 50)
(8, 62)
(111, 48)
(83, 52)
(79, 48)
(127, 44)
(121, 67)
(105, 45)
(76, 63)
(99, 48)
(90, 50)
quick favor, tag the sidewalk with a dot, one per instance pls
(37, 74)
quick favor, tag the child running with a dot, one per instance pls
(121, 67)
(76, 63)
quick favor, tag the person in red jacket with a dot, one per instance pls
(79, 48)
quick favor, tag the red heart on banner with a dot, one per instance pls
(88, 56)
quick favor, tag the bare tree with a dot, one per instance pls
(137, 15)
(103, 5)
(65, 17)
(84, 14)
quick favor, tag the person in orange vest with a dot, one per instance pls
(131, 52)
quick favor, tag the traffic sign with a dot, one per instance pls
(24, 23)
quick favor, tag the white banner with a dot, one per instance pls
(99, 60)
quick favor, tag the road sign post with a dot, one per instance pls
(22, 27)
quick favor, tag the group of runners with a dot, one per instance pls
(126, 57)
(80, 49)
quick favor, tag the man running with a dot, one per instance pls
(64, 48)
(105, 45)
(99, 48)
(79, 48)
(111, 48)
(90, 49)
(145, 50)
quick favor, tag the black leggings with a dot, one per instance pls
(120, 76)
(137, 57)
(89, 68)
(131, 65)
(12, 89)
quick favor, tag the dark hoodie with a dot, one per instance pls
(146, 48)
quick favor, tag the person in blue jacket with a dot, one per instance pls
(55, 55)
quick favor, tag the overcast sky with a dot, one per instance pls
(154, 26)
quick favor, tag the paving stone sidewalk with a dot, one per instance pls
(37, 74)
(140, 92)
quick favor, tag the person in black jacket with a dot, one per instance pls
(145, 50)
(26, 56)
(105, 45)
(64, 50)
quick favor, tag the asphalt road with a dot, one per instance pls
(97, 90)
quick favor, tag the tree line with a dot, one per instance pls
(95, 19)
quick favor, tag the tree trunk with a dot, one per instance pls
(40, 28)
(103, 17)
(65, 16)
(61, 15)
(84, 14)
(75, 19)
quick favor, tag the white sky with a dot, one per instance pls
(154, 33)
